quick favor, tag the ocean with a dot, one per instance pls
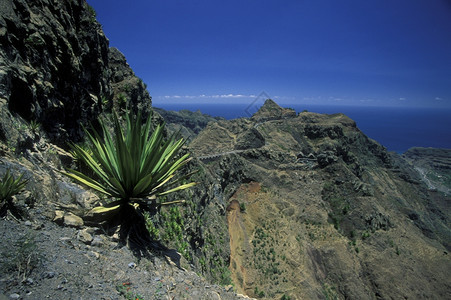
(396, 128)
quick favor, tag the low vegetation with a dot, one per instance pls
(132, 166)
(10, 186)
(22, 256)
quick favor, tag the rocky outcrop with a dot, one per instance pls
(272, 111)
(128, 89)
(57, 70)
(54, 64)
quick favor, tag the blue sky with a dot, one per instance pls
(372, 52)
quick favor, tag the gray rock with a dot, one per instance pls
(59, 217)
(49, 274)
(132, 265)
(84, 236)
(97, 241)
(73, 220)
(94, 254)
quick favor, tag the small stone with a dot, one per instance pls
(14, 296)
(229, 287)
(84, 236)
(115, 237)
(29, 281)
(59, 216)
(97, 241)
(94, 254)
(72, 220)
(38, 226)
(49, 274)
(132, 265)
(28, 223)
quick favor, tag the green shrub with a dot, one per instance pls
(9, 186)
(154, 232)
(34, 126)
(133, 166)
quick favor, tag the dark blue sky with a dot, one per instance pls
(371, 52)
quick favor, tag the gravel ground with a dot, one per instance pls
(43, 260)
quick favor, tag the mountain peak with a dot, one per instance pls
(270, 110)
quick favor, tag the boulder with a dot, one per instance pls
(73, 220)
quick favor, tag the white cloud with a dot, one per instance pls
(438, 99)
(203, 96)
(234, 96)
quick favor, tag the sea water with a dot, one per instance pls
(396, 128)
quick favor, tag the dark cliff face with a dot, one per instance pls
(57, 69)
(54, 63)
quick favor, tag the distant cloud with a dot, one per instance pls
(438, 98)
(402, 99)
(203, 96)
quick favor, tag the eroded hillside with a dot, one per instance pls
(316, 210)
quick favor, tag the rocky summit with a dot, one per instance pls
(287, 205)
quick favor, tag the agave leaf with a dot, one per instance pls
(169, 185)
(178, 188)
(132, 163)
(143, 184)
(102, 213)
(10, 186)
(104, 209)
(86, 180)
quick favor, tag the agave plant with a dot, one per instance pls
(133, 166)
(9, 186)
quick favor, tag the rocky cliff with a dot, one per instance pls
(56, 68)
